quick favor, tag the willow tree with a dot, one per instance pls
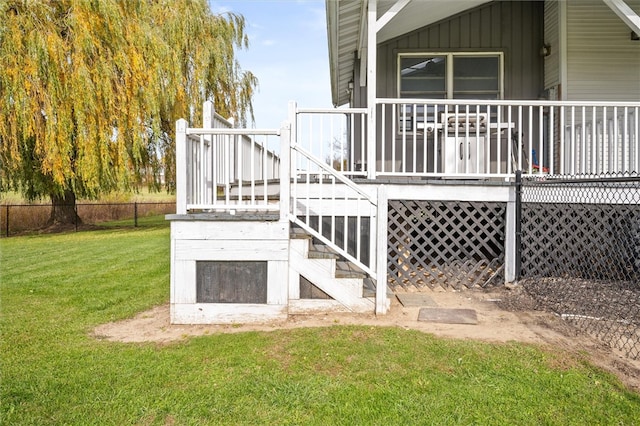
(90, 90)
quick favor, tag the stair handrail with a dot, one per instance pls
(340, 176)
(361, 195)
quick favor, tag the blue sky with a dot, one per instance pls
(287, 52)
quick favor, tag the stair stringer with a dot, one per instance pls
(321, 272)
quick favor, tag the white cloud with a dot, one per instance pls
(218, 9)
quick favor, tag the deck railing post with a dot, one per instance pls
(372, 17)
(512, 233)
(285, 170)
(381, 252)
(293, 126)
(181, 166)
(208, 122)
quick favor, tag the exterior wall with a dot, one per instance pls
(513, 27)
(599, 49)
(603, 63)
(193, 238)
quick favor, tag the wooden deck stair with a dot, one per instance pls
(344, 286)
(349, 288)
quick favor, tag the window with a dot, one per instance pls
(450, 75)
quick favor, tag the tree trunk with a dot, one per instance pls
(63, 209)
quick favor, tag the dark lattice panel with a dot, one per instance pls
(446, 244)
(580, 254)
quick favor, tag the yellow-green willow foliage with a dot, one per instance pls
(90, 89)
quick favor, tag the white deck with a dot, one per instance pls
(237, 172)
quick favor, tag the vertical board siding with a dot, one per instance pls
(600, 50)
(514, 28)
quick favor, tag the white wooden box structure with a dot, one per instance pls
(200, 238)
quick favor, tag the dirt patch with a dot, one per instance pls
(503, 315)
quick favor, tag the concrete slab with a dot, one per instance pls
(415, 300)
(448, 316)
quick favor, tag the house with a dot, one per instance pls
(409, 182)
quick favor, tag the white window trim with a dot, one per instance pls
(450, 56)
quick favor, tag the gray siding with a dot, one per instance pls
(603, 62)
(514, 28)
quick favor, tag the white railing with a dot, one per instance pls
(223, 168)
(602, 141)
(327, 147)
(335, 136)
(212, 175)
(219, 168)
(453, 138)
(333, 209)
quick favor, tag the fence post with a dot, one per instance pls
(7, 224)
(181, 166)
(285, 170)
(518, 230)
(135, 214)
(381, 251)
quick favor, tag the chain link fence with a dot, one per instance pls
(16, 219)
(580, 253)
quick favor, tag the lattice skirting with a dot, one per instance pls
(446, 244)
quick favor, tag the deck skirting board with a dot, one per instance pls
(225, 313)
(313, 306)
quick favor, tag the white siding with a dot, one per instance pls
(603, 62)
(551, 39)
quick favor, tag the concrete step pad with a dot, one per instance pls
(448, 316)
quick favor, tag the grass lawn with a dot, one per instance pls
(55, 288)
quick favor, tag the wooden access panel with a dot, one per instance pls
(231, 282)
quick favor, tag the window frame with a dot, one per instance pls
(449, 77)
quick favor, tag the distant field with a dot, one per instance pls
(142, 196)
(54, 289)
(18, 216)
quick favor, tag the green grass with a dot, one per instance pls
(143, 221)
(55, 288)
